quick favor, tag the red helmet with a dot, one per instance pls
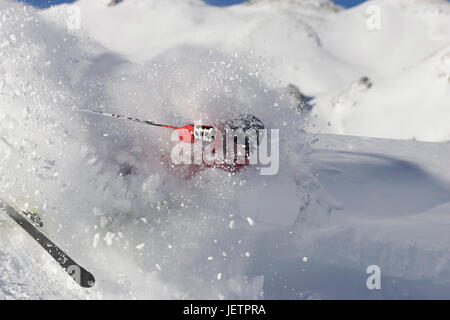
(246, 122)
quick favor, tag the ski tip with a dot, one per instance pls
(88, 281)
(81, 276)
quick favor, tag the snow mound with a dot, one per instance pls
(413, 104)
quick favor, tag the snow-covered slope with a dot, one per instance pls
(401, 46)
(151, 234)
(414, 103)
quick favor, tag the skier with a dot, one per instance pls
(247, 125)
(215, 137)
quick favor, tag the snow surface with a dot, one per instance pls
(338, 204)
(314, 44)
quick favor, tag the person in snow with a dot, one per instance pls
(227, 146)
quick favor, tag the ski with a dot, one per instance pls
(31, 213)
(34, 218)
(80, 275)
